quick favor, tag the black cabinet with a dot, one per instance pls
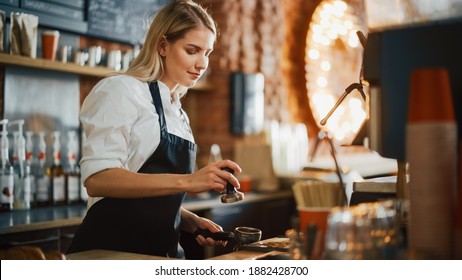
(52, 228)
(49, 228)
(49, 240)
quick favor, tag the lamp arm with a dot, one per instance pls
(349, 89)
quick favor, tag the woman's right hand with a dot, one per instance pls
(212, 177)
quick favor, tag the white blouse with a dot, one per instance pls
(121, 124)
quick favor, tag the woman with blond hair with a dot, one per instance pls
(139, 152)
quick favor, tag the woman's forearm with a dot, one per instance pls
(188, 220)
(122, 183)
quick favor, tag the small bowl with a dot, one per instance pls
(247, 235)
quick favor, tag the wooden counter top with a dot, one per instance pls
(247, 255)
(113, 255)
(110, 255)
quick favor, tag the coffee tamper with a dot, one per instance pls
(231, 195)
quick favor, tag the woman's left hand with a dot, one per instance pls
(213, 227)
(191, 222)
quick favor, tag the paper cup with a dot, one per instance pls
(246, 183)
(316, 215)
(50, 40)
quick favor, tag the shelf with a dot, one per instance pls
(43, 64)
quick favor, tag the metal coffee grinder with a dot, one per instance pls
(231, 194)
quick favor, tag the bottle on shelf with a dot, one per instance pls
(33, 164)
(22, 186)
(42, 180)
(72, 170)
(56, 172)
(6, 171)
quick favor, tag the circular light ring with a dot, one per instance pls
(333, 59)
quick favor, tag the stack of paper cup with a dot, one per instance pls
(458, 227)
(431, 150)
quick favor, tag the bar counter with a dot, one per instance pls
(72, 215)
(114, 255)
(52, 228)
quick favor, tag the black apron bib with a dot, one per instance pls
(143, 225)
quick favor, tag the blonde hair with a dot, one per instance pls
(172, 22)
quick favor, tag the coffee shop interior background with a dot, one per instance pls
(269, 39)
(269, 43)
(272, 39)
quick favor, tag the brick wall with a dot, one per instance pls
(250, 37)
(298, 16)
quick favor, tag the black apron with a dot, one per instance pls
(142, 225)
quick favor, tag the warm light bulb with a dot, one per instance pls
(353, 42)
(317, 28)
(339, 135)
(322, 102)
(325, 66)
(348, 24)
(325, 23)
(324, 14)
(313, 54)
(318, 38)
(322, 82)
(346, 127)
(340, 110)
(325, 41)
(340, 5)
(328, 8)
(355, 103)
(338, 11)
(332, 34)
